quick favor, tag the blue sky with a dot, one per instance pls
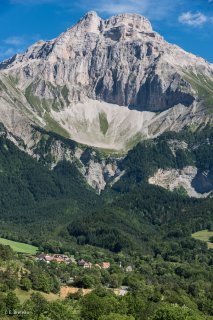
(188, 23)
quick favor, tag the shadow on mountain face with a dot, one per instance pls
(203, 181)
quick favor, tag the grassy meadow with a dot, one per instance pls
(19, 246)
(204, 235)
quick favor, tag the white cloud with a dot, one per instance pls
(6, 52)
(150, 8)
(15, 41)
(193, 19)
(16, 44)
(112, 7)
(21, 40)
(153, 9)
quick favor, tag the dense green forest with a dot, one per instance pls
(34, 200)
(132, 223)
(57, 206)
(153, 211)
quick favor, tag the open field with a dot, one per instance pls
(25, 295)
(204, 235)
(19, 246)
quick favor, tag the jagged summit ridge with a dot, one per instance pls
(130, 20)
(117, 28)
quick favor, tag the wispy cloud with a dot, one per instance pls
(114, 7)
(6, 52)
(22, 40)
(32, 2)
(151, 8)
(16, 44)
(15, 41)
(193, 19)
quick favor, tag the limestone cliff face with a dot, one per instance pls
(104, 83)
(120, 60)
(188, 178)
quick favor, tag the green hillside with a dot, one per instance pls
(34, 200)
(58, 208)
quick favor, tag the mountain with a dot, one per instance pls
(105, 83)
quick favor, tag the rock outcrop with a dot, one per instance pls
(173, 179)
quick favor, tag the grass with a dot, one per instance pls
(65, 94)
(54, 126)
(104, 125)
(34, 101)
(204, 235)
(13, 80)
(25, 295)
(2, 86)
(132, 142)
(203, 86)
(19, 246)
(39, 105)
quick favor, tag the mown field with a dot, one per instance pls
(19, 246)
(204, 235)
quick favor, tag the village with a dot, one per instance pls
(69, 286)
(62, 258)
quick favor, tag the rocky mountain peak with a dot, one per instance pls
(91, 22)
(128, 22)
(131, 21)
(91, 15)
